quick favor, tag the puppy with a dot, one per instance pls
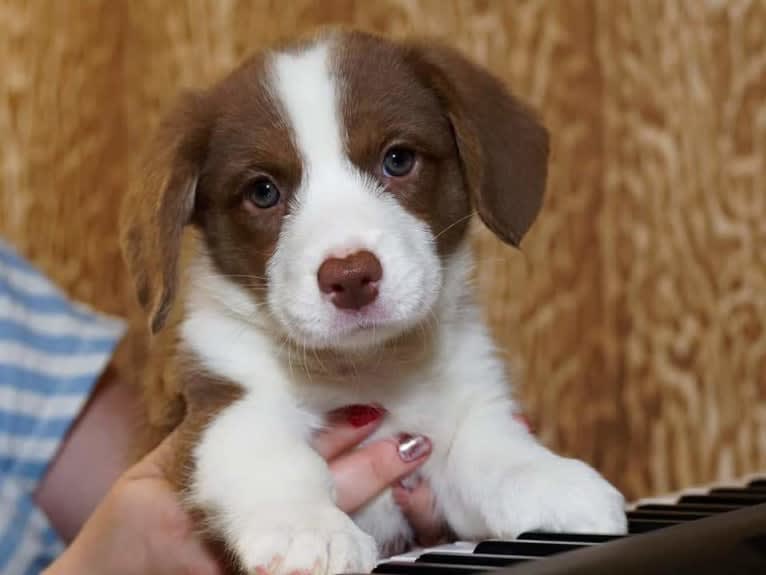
(327, 188)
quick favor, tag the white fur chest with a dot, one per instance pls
(424, 386)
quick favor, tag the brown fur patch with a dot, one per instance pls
(385, 102)
(160, 378)
(472, 137)
(206, 150)
(157, 209)
(250, 139)
(204, 396)
(503, 146)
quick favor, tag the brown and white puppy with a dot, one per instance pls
(330, 184)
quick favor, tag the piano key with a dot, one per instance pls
(727, 543)
(643, 525)
(414, 568)
(568, 537)
(726, 499)
(758, 482)
(525, 548)
(701, 507)
(673, 515)
(471, 559)
(736, 490)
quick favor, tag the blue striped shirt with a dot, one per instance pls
(52, 352)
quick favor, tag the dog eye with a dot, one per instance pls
(398, 162)
(262, 193)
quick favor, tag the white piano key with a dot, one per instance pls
(457, 547)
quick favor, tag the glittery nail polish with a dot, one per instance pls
(412, 447)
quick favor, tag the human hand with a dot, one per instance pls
(141, 526)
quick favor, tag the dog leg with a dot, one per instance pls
(270, 496)
(500, 482)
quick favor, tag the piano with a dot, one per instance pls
(709, 530)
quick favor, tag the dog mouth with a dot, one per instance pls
(345, 329)
(360, 320)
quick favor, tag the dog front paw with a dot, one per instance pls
(559, 495)
(304, 539)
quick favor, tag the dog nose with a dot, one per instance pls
(352, 281)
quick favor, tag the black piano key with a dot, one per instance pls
(525, 548)
(415, 568)
(761, 482)
(643, 525)
(749, 488)
(568, 537)
(736, 490)
(673, 515)
(701, 507)
(726, 499)
(447, 558)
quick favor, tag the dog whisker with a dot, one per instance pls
(453, 224)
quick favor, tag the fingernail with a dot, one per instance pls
(361, 415)
(412, 447)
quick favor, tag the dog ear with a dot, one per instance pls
(156, 209)
(502, 145)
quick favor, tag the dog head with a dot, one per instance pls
(332, 180)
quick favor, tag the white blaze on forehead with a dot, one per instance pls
(305, 84)
(338, 209)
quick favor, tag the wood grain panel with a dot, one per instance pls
(63, 153)
(683, 234)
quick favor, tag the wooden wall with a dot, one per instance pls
(635, 315)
